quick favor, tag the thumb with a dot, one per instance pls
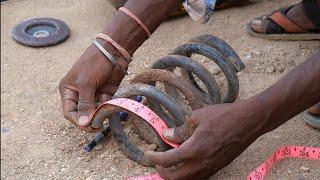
(182, 133)
(177, 135)
(85, 105)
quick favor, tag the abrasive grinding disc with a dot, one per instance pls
(41, 32)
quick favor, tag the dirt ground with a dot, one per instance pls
(38, 143)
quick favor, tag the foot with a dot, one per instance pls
(296, 14)
(315, 110)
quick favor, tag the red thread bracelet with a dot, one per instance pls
(133, 16)
(122, 51)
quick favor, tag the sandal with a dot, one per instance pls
(312, 116)
(281, 27)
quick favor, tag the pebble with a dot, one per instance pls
(304, 169)
(98, 147)
(104, 155)
(62, 147)
(216, 71)
(152, 147)
(281, 69)
(63, 170)
(86, 172)
(93, 177)
(247, 56)
(5, 130)
(80, 159)
(270, 69)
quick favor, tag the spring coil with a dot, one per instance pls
(169, 104)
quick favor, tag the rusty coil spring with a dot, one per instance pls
(171, 104)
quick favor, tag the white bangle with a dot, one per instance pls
(108, 55)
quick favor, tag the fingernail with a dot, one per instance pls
(256, 22)
(83, 121)
(168, 133)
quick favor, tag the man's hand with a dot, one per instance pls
(93, 73)
(212, 137)
(91, 80)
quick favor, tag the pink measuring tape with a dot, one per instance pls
(143, 112)
(312, 153)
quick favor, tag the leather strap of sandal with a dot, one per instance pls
(286, 23)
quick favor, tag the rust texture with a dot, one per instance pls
(179, 92)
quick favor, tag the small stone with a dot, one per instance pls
(62, 147)
(281, 69)
(258, 54)
(5, 130)
(247, 56)
(63, 170)
(104, 155)
(80, 159)
(21, 110)
(86, 172)
(304, 169)
(270, 69)
(152, 147)
(93, 177)
(98, 147)
(216, 71)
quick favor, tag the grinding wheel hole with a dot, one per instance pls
(41, 30)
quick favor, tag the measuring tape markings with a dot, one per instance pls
(143, 112)
(312, 153)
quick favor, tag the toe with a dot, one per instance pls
(315, 109)
(259, 25)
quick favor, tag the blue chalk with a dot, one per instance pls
(139, 98)
(124, 115)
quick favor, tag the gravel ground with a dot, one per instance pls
(38, 143)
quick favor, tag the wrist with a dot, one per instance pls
(125, 31)
(255, 116)
(114, 52)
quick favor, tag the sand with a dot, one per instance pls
(38, 143)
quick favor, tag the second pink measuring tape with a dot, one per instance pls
(312, 153)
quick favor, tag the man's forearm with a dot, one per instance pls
(294, 93)
(127, 32)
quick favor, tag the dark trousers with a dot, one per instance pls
(312, 9)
